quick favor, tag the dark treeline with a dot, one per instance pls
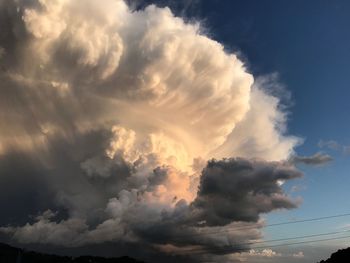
(10, 254)
(341, 256)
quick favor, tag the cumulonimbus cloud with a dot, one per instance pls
(108, 118)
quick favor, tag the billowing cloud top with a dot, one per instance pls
(108, 117)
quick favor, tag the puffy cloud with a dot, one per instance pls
(48, 232)
(316, 159)
(269, 253)
(260, 133)
(108, 116)
(299, 254)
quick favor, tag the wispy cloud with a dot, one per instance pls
(335, 146)
(317, 159)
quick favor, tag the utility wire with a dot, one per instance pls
(237, 249)
(290, 238)
(303, 242)
(277, 240)
(299, 237)
(269, 225)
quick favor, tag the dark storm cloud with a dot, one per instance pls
(232, 195)
(180, 233)
(32, 183)
(240, 190)
(25, 190)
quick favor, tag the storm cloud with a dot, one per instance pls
(108, 117)
(240, 190)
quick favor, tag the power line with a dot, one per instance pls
(292, 238)
(308, 220)
(237, 249)
(299, 237)
(231, 249)
(279, 240)
(269, 225)
(304, 242)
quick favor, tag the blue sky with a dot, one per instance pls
(307, 44)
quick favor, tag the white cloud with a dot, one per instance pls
(300, 254)
(269, 253)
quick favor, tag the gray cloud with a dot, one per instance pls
(316, 159)
(240, 190)
(25, 189)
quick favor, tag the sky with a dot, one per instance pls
(177, 129)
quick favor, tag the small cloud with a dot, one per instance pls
(300, 254)
(268, 253)
(316, 160)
